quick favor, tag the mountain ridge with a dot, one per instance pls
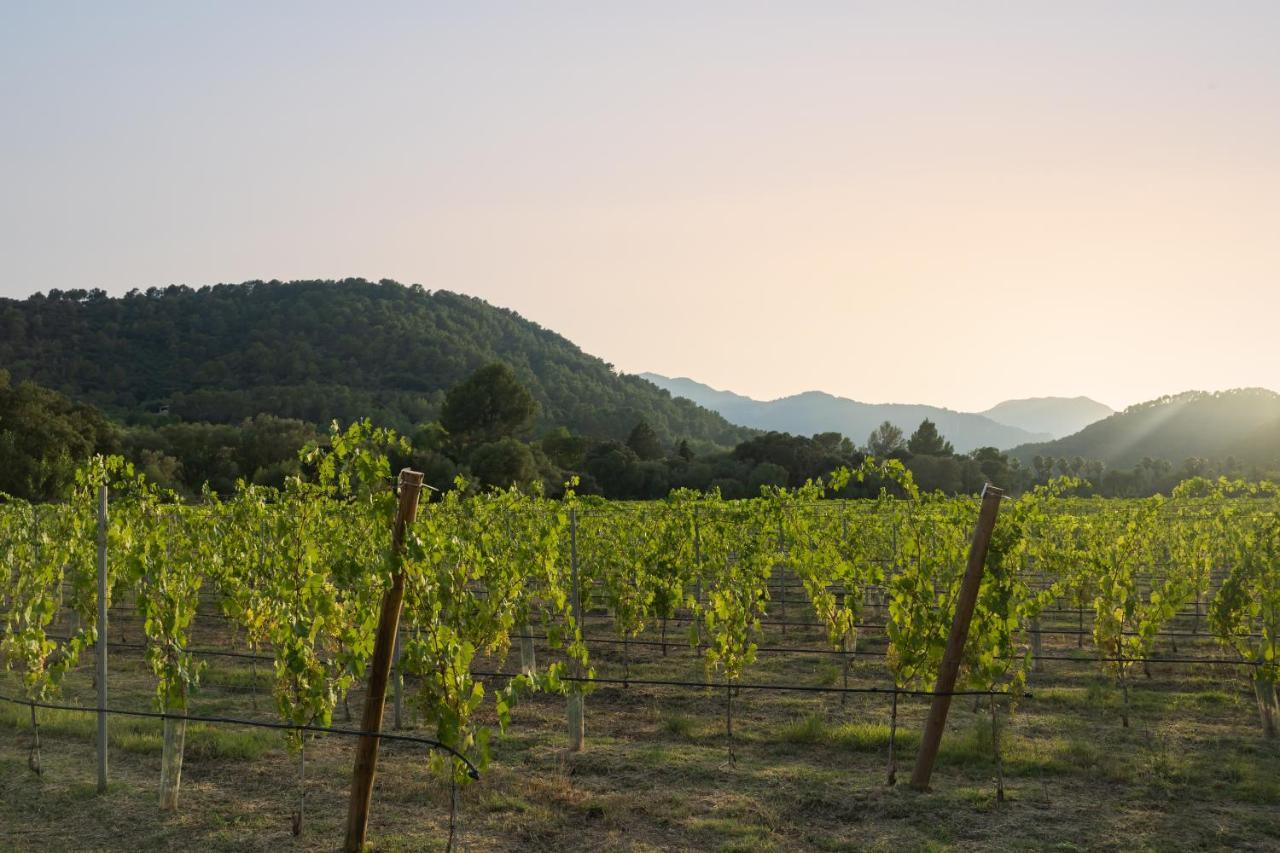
(811, 412)
(1054, 416)
(1243, 423)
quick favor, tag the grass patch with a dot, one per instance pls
(811, 728)
(874, 737)
(1204, 700)
(142, 736)
(243, 679)
(208, 742)
(676, 724)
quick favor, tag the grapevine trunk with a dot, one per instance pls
(528, 655)
(893, 737)
(1265, 690)
(175, 731)
(577, 722)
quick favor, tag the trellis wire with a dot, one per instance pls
(472, 770)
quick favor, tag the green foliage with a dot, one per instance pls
(926, 441)
(303, 570)
(43, 438)
(319, 351)
(885, 440)
(52, 564)
(490, 404)
(504, 463)
(645, 443)
(509, 545)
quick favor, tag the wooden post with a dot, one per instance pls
(576, 707)
(397, 686)
(380, 670)
(102, 639)
(954, 653)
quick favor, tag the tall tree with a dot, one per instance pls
(885, 440)
(491, 404)
(563, 448)
(927, 441)
(504, 463)
(644, 442)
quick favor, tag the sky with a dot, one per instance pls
(946, 203)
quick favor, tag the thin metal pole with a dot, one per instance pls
(782, 573)
(573, 565)
(697, 568)
(576, 704)
(102, 639)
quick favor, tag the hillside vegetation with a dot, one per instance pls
(1243, 424)
(319, 350)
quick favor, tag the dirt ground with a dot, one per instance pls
(1191, 772)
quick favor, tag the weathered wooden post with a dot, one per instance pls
(380, 670)
(954, 652)
(397, 686)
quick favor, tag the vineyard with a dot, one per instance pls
(537, 637)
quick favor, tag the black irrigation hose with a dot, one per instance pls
(674, 644)
(1043, 631)
(802, 688)
(472, 771)
(111, 644)
(1208, 661)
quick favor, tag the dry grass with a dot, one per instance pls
(1190, 773)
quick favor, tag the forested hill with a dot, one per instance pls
(1243, 425)
(318, 350)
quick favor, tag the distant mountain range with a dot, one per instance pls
(1244, 423)
(1009, 424)
(1053, 416)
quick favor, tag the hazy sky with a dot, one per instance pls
(951, 203)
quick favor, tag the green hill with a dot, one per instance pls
(1244, 423)
(318, 350)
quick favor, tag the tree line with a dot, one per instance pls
(488, 431)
